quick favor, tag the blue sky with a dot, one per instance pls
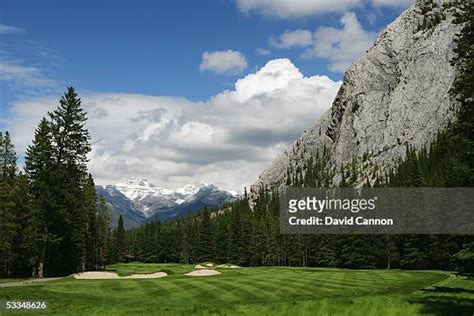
(155, 48)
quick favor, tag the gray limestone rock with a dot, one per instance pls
(394, 95)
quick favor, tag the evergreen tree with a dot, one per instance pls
(464, 260)
(8, 160)
(186, 243)
(8, 224)
(90, 208)
(463, 88)
(71, 146)
(102, 234)
(19, 239)
(41, 172)
(205, 242)
(120, 244)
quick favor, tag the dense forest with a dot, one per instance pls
(52, 222)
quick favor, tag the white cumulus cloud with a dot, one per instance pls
(223, 62)
(289, 39)
(227, 140)
(341, 46)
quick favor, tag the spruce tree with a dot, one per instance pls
(102, 233)
(3, 200)
(70, 140)
(120, 241)
(89, 205)
(40, 171)
(8, 169)
(9, 158)
(71, 146)
(21, 215)
(205, 237)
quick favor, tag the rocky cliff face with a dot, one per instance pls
(394, 95)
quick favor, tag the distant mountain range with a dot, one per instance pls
(139, 201)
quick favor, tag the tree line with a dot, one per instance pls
(51, 222)
(249, 236)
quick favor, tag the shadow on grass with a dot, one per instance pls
(436, 305)
(443, 301)
(449, 290)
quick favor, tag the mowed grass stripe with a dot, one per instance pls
(279, 287)
(103, 300)
(375, 281)
(417, 280)
(268, 283)
(369, 277)
(346, 281)
(112, 291)
(342, 280)
(172, 284)
(328, 283)
(197, 288)
(150, 288)
(215, 286)
(227, 288)
(312, 288)
(258, 287)
(301, 284)
(276, 279)
(240, 291)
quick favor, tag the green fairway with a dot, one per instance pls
(256, 291)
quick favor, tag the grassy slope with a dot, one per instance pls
(124, 269)
(260, 291)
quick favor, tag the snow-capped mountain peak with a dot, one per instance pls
(190, 189)
(141, 190)
(158, 202)
(136, 188)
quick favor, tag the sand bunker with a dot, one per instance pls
(228, 266)
(102, 275)
(198, 266)
(96, 275)
(203, 272)
(204, 265)
(155, 275)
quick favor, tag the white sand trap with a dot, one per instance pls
(96, 275)
(228, 266)
(155, 275)
(198, 266)
(209, 264)
(203, 272)
(102, 275)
